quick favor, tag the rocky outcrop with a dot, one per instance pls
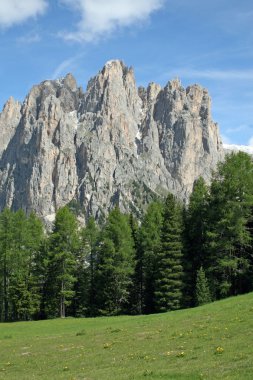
(113, 144)
(9, 120)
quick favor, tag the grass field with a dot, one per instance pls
(210, 342)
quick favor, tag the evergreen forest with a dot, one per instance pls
(177, 256)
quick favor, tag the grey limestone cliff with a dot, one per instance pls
(113, 144)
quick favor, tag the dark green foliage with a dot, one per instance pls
(85, 284)
(7, 263)
(115, 265)
(165, 262)
(202, 292)
(108, 289)
(149, 243)
(75, 207)
(64, 245)
(27, 285)
(169, 271)
(20, 240)
(195, 231)
(136, 293)
(228, 238)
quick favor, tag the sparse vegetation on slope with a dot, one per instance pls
(209, 342)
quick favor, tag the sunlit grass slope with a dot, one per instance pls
(210, 342)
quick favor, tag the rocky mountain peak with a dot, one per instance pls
(114, 64)
(11, 104)
(174, 84)
(113, 144)
(113, 91)
(9, 120)
(70, 82)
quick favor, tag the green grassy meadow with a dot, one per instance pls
(209, 342)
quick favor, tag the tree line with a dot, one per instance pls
(176, 256)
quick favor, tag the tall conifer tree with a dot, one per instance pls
(20, 238)
(136, 294)
(64, 244)
(25, 281)
(229, 239)
(195, 230)
(86, 266)
(115, 265)
(202, 291)
(149, 243)
(169, 273)
(6, 249)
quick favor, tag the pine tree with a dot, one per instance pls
(35, 240)
(229, 240)
(42, 275)
(24, 284)
(6, 244)
(169, 273)
(202, 292)
(86, 263)
(195, 230)
(19, 243)
(136, 294)
(64, 245)
(149, 243)
(115, 265)
(110, 286)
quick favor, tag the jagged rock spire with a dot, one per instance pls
(113, 144)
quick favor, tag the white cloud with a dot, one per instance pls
(236, 148)
(16, 11)
(250, 142)
(101, 17)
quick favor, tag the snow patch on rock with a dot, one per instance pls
(111, 62)
(73, 118)
(50, 218)
(138, 135)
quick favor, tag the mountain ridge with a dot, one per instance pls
(115, 143)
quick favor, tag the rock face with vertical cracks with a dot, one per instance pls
(113, 144)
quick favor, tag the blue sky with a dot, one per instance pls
(205, 42)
